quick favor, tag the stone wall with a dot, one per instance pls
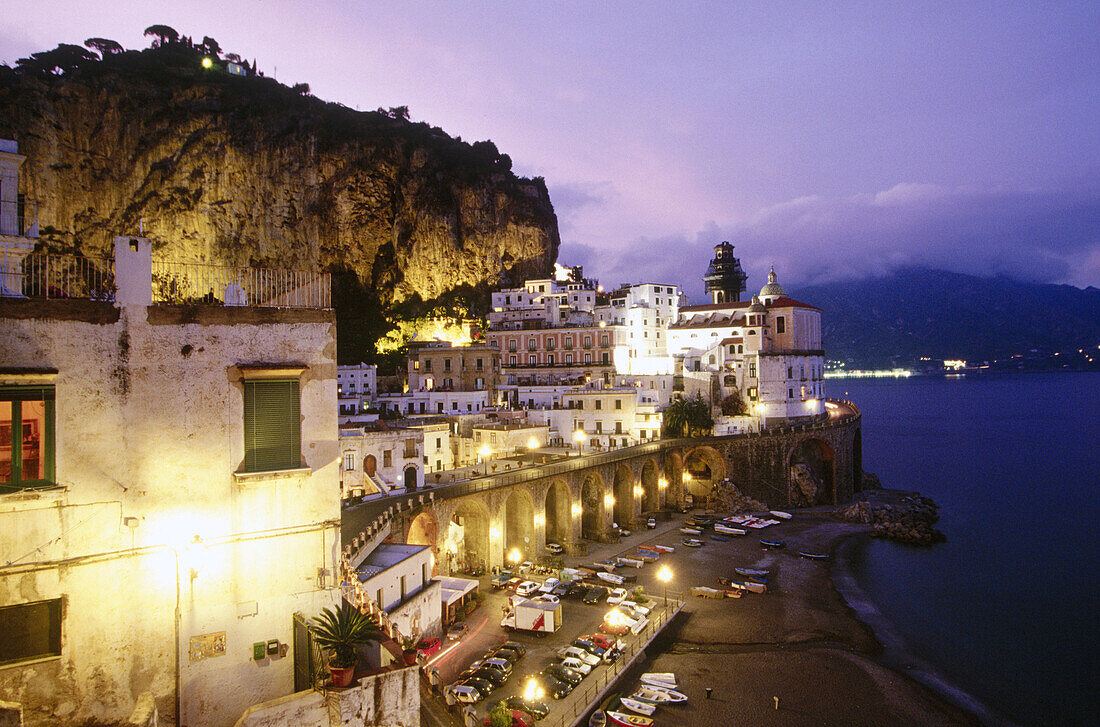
(390, 699)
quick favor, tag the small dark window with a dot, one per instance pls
(780, 325)
(31, 631)
(272, 426)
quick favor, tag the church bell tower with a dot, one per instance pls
(725, 280)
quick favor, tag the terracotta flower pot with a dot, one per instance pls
(341, 676)
(410, 657)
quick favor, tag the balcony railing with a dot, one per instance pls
(199, 284)
(41, 275)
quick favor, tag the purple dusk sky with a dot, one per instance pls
(831, 138)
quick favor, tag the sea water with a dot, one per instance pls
(1007, 608)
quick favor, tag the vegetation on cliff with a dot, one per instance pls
(218, 164)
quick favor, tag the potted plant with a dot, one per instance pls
(339, 631)
(409, 645)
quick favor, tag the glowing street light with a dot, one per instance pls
(485, 452)
(515, 557)
(207, 63)
(578, 437)
(532, 443)
(664, 575)
(533, 692)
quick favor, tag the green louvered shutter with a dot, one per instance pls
(272, 431)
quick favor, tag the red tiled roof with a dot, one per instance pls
(785, 302)
(737, 339)
(714, 306)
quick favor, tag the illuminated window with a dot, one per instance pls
(349, 462)
(26, 437)
(31, 631)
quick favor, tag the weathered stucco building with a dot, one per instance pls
(171, 494)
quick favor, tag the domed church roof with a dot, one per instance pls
(772, 289)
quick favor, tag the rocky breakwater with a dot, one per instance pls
(911, 519)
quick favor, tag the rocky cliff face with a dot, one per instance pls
(244, 171)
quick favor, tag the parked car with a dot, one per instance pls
(503, 652)
(497, 663)
(462, 693)
(491, 676)
(549, 585)
(651, 523)
(565, 674)
(554, 549)
(595, 595)
(635, 607)
(555, 688)
(616, 628)
(457, 631)
(515, 646)
(577, 652)
(560, 590)
(519, 719)
(546, 597)
(603, 641)
(617, 595)
(527, 588)
(572, 662)
(513, 584)
(533, 707)
(484, 688)
(577, 591)
(428, 647)
(590, 647)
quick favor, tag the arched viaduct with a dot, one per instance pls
(580, 499)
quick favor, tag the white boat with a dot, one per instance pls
(780, 514)
(639, 706)
(660, 679)
(657, 695)
(610, 578)
(628, 720)
(691, 531)
(664, 548)
(728, 530)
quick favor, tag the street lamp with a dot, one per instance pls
(664, 575)
(578, 437)
(532, 444)
(485, 452)
(514, 557)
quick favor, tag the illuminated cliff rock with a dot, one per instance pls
(245, 171)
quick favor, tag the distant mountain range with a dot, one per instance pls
(916, 314)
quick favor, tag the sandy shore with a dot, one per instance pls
(800, 642)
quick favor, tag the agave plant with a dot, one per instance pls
(340, 630)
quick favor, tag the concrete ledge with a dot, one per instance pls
(219, 315)
(62, 309)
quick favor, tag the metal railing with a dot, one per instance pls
(42, 275)
(199, 284)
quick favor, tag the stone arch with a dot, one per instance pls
(593, 512)
(558, 508)
(812, 473)
(410, 477)
(674, 472)
(705, 467)
(519, 523)
(473, 517)
(624, 497)
(424, 530)
(651, 488)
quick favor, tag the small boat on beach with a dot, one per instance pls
(780, 514)
(705, 592)
(728, 529)
(637, 705)
(720, 538)
(771, 543)
(813, 556)
(610, 578)
(628, 720)
(693, 542)
(599, 717)
(656, 695)
(659, 679)
(664, 548)
(732, 593)
(752, 572)
(691, 531)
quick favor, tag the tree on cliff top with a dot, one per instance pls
(105, 46)
(64, 58)
(164, 34)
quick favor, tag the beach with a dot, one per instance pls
(800, 642)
